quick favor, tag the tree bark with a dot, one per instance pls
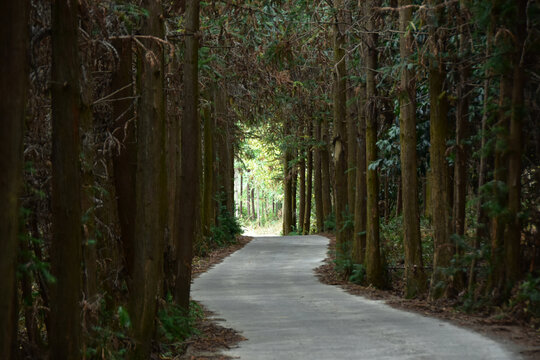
(512, 236)
(188, 197)
(65, 251)
(125, 157)
(248, 203)
(343, 232)
(209, 204)
(443, 247)
(13, 93)
(88, 194)
(462, 123)
(241, 193)
(500, 171)
(374, 269)
(294, 183)
(415, 278)
(319, 209)
(151, 186)
(309, 182)
(359, 244)
(254, 212)
(302, 190)
(287, 188)
(481, 230)
(325, 171)
(352, 130)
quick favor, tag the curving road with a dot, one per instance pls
(269, 293)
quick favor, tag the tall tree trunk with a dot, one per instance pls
(224, 150)
(359, 244)
(512, 236)
(151, 186)
(302, 189)
(208, 206)
(460, 163)
(481, 230)
(443, 247)
(352, 130)
(399, 197)
(125, 156)
(230, 169)
(87, 159)
(294, 183)
(415, 278)
(343, 232)
(13, 92)
(241, 193)
(248, 203)
(259, 208)
(319, 210)
(66, 257)
(287, 188)
(325, 170)
(188, 199)
(254, 212)
(500, 171)
(373, 261)
(173, 104)
(386, 196)
(309, 182)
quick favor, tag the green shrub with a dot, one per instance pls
(109, 338)
(330, 222)
(343, 266)
(358, 274)
(175, 324)
(227, 228)
(529, 294)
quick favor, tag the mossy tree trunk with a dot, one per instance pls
(302, 190)
(65, 251)
(359, 244)
(294, 188)
(309, 183)
(461, 148)
(13, 93)
(188, 197)
(209, 195)
(415, 277)
(440, 208)
(287, 185)
(343, 232)
(317, 186)
(150, 185)
(512, 236)
(481, 216)
(88, 194)
(325, 171)
(500, 169)
(125, 156)
(373, 261)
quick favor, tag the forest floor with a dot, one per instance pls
(500, 327)
(212, 338)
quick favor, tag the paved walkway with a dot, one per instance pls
(269, 293)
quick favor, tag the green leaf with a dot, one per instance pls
(123, 317)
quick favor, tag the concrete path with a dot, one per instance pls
(268, 292)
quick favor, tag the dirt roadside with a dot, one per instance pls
(212, 338)
(508, 331)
